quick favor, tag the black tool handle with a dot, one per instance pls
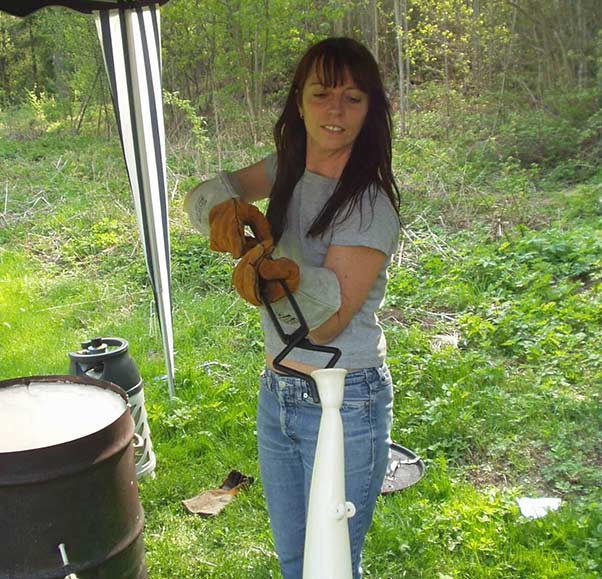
(296, 339)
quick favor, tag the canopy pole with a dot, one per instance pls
(130, 40)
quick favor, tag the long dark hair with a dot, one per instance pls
(368, 168)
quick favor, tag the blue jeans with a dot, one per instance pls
(287, 430)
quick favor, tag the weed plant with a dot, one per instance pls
(493, 318)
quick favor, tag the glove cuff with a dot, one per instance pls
(206, 196)
(318, 297)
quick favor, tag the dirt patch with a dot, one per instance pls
(427, 320)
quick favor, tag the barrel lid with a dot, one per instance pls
(405, 468)
(40, 414)
(70, 456)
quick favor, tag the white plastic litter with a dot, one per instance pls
(535, 508)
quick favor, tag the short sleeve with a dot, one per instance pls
(270, 164)
(369, 225)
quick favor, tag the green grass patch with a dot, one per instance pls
(493, 319)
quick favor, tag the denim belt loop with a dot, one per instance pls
(290, 386)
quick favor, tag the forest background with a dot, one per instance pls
(494, 307)
(525, 73)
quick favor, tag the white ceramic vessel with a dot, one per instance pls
(327, 549)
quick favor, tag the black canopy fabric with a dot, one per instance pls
(130, 36)
(25, 7)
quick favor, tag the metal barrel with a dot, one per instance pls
(73, 507)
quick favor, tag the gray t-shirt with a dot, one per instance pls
(362, 342)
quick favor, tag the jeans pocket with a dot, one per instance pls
(355, 412)
(365, 384)
(357, 391)
(379, 379)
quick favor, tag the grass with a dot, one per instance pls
(510, 406)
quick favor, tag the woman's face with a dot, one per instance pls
(333, 116)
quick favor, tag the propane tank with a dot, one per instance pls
(108, 359)
(327, 548)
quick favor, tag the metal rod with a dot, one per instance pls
(65, 559)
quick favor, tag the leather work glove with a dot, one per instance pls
(227, 222)
(257, 263)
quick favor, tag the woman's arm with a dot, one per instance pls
(356, 268)
(250, 184)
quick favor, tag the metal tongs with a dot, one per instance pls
(297, 339)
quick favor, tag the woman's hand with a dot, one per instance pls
(257, 267)
(227, 222)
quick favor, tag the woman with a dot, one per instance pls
(333, 227)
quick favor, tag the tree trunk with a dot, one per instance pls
(400, 68)
(264, 54)
(582, 44)
(34, 62)
(375, 30)
(246, 71)
(476, 35)
(447, 91)
(446, 80)
(406, 42)
(84, 106)
(250, 111)
(256, 72)
(216, 116)
(337, 25)
(218, 132)
(4, 36)
(506, 65)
